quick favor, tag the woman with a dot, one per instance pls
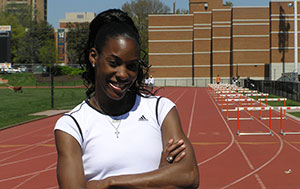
(119, 137)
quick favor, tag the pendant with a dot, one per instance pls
(117, 133)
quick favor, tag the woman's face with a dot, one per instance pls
(117, 67)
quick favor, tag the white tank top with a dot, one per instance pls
(135, 149)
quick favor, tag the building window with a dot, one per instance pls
(80, 16)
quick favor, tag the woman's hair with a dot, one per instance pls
(108, 24)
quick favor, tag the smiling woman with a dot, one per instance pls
(122, 135)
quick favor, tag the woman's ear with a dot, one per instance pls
(93, 56)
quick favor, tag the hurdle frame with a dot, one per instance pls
(272, 100)
(238, 109)
(237, 100)
(281, 120)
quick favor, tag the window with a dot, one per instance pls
(80, 16)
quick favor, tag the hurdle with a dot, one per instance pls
(266, 100)
(237, 100)
(218, 93)
(281, 120)
(247, 91)
(257, 95)
(238, 109)
(222, 96)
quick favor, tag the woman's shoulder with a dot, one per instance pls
(154, 100)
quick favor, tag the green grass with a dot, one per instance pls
(28, 79)
(19, 79)
(281, 103)
(16, 107)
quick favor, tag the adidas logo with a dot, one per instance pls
(143, 118)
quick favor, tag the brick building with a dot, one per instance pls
(39, 7)
(213, 39)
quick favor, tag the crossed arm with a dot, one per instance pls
(182, 173)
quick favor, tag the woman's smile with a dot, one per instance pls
(121, 87)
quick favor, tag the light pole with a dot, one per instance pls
(295, 38)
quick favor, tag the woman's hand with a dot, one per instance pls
(174, 151)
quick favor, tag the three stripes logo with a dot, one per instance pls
(143, 118)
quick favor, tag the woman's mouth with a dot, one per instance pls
(118, 86)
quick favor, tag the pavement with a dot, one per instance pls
(50, 112)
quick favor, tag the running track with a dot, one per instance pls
(225, 160)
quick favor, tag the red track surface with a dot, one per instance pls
(225, 160)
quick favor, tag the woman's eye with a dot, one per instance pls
(133, 66)
(113, 63)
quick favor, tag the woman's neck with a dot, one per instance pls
(114, 107)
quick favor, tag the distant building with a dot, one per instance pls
(214, 39)
(39, 7)
(76, 18)
(62, 31)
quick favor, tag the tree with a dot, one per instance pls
(138, 10)
(181, 11)
(47, 52)
(36, 37)
(76, 39)
(17, 32)
(228, 3)
(27, 36)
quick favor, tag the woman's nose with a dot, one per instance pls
(121, 73)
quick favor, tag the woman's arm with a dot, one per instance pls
(182, 174)
(70, 172)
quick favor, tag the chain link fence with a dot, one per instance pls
(285, 89)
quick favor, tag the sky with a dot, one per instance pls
(58, 8)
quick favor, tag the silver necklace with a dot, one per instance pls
(112, 122)
(115, 121)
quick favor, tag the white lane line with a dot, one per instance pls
(33, 176)
(229, 130)
(27, 148)
(29, 133)
(27, 159)
(28, 174)
(244, 155)
(178, 98)
(192, 114)
(295, 148)
(250, 165)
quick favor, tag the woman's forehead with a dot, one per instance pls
(120, 45)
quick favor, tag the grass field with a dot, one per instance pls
(16, 107)
(29, 79)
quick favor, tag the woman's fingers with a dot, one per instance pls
(175, 151)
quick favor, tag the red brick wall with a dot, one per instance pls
(240, 41)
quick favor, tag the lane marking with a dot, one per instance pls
(27, 159)
(192, 114)
(178, 98)
(27, 148)
(25, 145)
(243, 143)
(33, 176)
(229, 130)
(28, 174)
